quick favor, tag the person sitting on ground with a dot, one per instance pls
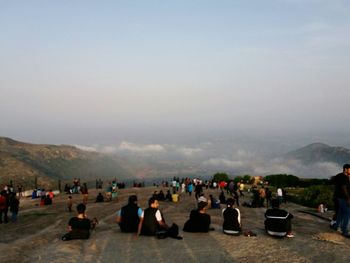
(168, 196)
(199, 221)
(278, 221)
(214, 203)
(79, 226)
(100, 198)
(161, 196)
(129, 216)
(232, 218)
(151, 220)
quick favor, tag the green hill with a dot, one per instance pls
(23, 162)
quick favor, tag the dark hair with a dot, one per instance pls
(275, 203)
(132, 199)
(81, 208)
(151, 200)
(230, 201)
(346, 166)
(202, 205)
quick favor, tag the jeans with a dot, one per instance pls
(343, 215)
(14, 216)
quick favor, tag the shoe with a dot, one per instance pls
(290, 235)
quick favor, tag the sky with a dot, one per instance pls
(102, 72)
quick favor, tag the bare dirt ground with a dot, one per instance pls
(36, 235)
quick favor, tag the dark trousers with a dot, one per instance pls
(4, 211)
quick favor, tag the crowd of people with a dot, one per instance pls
(151, 222)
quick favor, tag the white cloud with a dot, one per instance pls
(189, 152)
(225, 163)
(87, 148)
(147, 148)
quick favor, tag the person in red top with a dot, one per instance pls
(3, 206)
(51, 194)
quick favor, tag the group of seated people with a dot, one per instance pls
(150, 222)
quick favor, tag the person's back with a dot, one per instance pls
(199, 221)
(232, 219)
(100, 198)
(79, 226)
(129, 216)
(278, 221)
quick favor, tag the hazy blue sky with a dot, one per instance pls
(99, 71)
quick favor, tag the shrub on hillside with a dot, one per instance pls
(317, 194)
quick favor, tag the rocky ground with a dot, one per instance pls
(36, 235)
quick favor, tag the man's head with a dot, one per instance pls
(153, 202)
(346, 169)
(81, 208)
(202, 205)
(132, 199)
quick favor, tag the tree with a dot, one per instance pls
(238, 179)
(282, 180)
(218, 177)
(247, 179)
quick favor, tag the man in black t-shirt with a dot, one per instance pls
(342, 196)
(199, 221)
(79, 226)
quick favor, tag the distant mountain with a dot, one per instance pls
(320, 152)
(23, 162)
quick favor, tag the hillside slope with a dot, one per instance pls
(320, 152)
(22, 162)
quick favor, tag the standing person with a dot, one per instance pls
(85, 192)
(198, 190)
(3, 206)
(280, 195)
(79, 226)
(232, 218)
(199, 220)
(268, 196)
(69, 203)
(190, 188)
(262, 196)
(342, 193)
(14, 207)
(19, 190)
(129, 216)
(222, 198)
